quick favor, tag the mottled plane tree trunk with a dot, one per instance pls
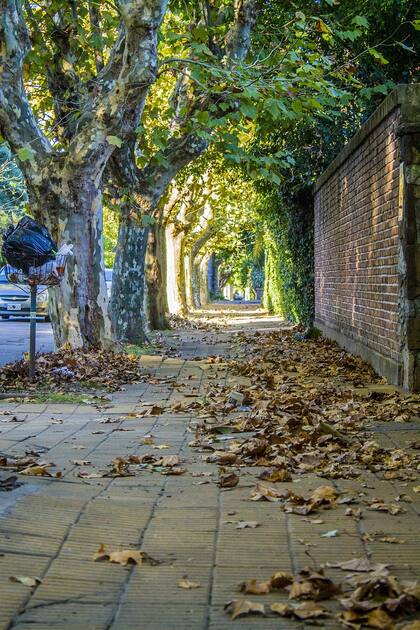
(65, 185)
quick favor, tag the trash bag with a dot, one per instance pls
(29, 244)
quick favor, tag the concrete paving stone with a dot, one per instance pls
(53, 591)
(220, 620)
(157, 617)
(159, 585)
(76, 613)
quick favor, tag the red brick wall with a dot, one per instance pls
(357, 245)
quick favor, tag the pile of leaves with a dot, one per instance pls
(369, 596)
(73, 369)
(290, 421)
(29, 464)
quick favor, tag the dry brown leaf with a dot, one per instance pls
(379, 506)
(39, 471)
(187, 584)
(324, 494)
(284, 610)
(262, 492)
(226, 459)
(378, 618)
(281, 579)
(241, 607)
(168, 460)
(252, 587)
(86, 474)
(310, 610)
(228, 480)
(119, 557)
(275, 475)
(25, 579)
(392, 540)
(175, 470)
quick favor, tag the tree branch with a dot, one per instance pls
(17, 120)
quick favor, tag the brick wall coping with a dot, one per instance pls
(406, 96)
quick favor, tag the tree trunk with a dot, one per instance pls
(71, 207)
(156, 278)
(204, 285)
(175, 279)
(188, 275)
(128, 282)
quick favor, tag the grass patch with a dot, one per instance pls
(140, 351)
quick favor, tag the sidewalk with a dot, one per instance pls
(177, 514)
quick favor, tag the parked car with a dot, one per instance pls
(15, 301)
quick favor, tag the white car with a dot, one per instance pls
(15, 300)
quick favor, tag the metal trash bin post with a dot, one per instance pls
(49, 274)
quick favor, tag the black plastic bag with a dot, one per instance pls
(29, 244)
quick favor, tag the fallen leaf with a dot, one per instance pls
(284, 610)
(275, 475)
(38, 471)
(378, 618)
(184, 582)
(324, 494)
(252, 587)
(392, 540)
(119, 557)
(281, 579)
(310, 610)
(333, 533)
(175, 470)
(229, 480)
(25, 579)
(262, 491)
(247, 524)
(87, 474)
(241, 607)
(168, 460)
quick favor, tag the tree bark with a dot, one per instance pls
(128, 282)
(156, 278)
(79, 305)
(175, 274)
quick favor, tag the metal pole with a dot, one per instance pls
(32, 334)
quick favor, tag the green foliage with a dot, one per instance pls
(13, 195)
(110, 235)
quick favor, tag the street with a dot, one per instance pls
(14, 338)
